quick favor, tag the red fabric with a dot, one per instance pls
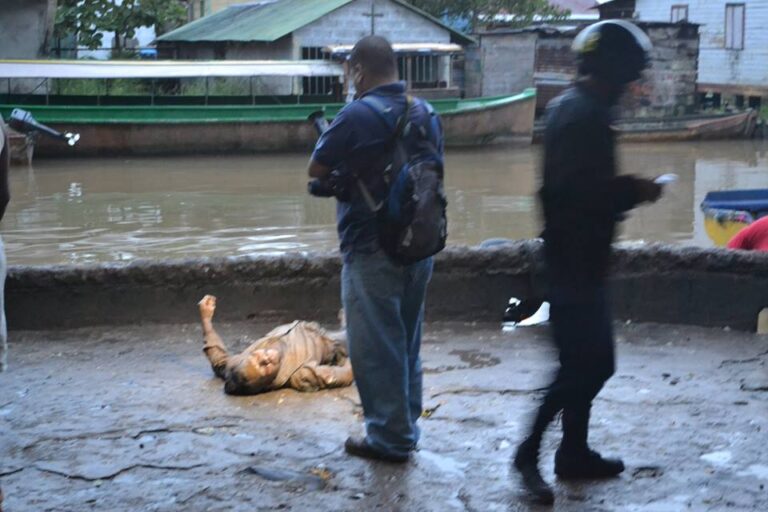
(752, 238)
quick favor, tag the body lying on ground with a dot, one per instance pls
(300, 355)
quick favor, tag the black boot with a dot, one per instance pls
(527, 464)
(359, 447)
(585, 464)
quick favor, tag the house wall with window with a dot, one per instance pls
(541, 57)
(733, 58)
(282, 49)
(615, 9)
(431, 73)
(507, 62)
(352, 22)
(25, 33)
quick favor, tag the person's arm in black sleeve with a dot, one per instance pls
(333, 146)
(583, 181)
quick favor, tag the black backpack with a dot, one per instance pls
(412, 222)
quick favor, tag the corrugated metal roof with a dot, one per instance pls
(165, 69)
(267, 21)
(401, 48)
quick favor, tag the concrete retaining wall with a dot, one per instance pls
(654, 283)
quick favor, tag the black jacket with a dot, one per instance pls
(582, 197)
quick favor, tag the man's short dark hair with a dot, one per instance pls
(375, 55)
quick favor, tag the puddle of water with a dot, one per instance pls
(757, 470)
(476, 359)
(673, 505)
(311, 481)
(647, 472)
(444, 463)
(719, 458)
(473, 359)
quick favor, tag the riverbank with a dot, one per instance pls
(130, 418)
(653, 283)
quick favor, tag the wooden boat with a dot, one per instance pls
(728, 212)
(740, 125)
(22, 147)
(201, 127)
(163, 129)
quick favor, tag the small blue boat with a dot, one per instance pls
(726, 212)
(753, 201)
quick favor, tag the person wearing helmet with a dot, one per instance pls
(583, 198)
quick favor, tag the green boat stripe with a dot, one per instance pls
(229, 114)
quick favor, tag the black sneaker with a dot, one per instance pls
(585, 465)
(526, 462)
(359, 447)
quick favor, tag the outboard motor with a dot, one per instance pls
(23, 122)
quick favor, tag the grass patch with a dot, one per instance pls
(224, 86)
(111, 87)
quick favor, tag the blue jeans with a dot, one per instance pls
(384, 306)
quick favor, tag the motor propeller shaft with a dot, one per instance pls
(24, 122)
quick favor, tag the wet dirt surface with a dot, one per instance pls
(131, 419)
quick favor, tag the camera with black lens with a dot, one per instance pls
(333, 185)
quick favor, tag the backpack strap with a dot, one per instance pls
(385, 113)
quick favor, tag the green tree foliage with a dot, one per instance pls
(88, 18)
(477, 13)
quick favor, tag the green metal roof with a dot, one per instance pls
(266, 21)
(269, 20)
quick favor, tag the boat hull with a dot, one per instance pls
(22, 147)
(511, 120)
(735, 126)
(726, 212)
(111, 131)
(741, 125)
(722, 228)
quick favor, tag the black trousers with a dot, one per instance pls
(582, 329)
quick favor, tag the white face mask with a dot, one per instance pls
(357, 78)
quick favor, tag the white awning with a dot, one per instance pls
(426, 48)
(166, 69)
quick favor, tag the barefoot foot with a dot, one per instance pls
(207, 307)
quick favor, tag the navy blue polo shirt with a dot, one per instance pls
(357, 140)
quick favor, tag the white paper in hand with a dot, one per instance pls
(666, 179)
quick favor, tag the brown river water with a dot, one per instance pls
(120, 209)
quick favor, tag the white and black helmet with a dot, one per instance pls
(612, 50)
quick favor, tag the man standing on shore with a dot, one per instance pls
(583, 198)
(383, 300)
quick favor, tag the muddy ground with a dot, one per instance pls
(131, 419)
